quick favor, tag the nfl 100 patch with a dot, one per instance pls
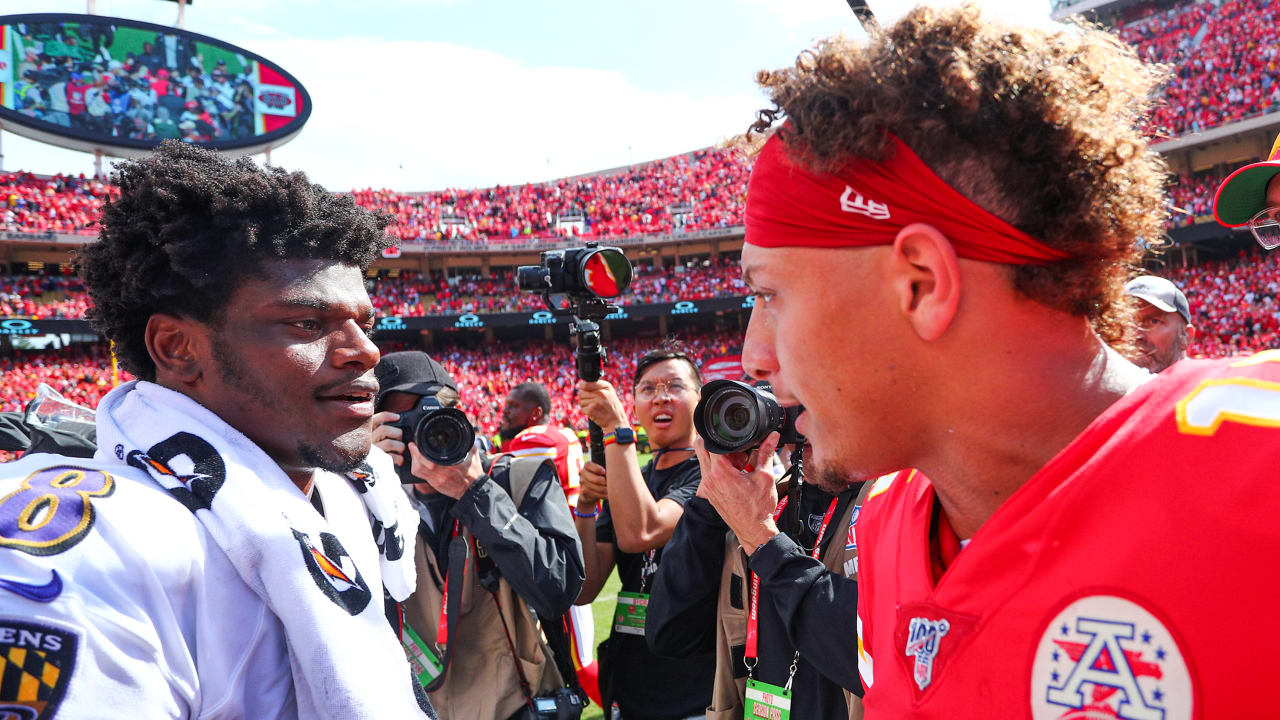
(36, 662)
(1108, 656)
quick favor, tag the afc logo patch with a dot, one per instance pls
(36, 661)
(1105, 656)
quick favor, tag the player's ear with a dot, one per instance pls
(173, 346)
(925, 277)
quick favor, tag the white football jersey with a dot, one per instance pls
(114, 601)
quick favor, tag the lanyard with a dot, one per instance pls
(650, 558)
(442, 629)
(752, 650)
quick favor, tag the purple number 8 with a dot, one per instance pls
(51, 510)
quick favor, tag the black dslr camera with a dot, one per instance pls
(443, 435)
(585, 273)
(734, 417)
(588, 276)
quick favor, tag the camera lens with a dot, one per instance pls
(734, 416)
(445, 436)
(731, 418)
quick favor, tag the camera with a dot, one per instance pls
(443, 435)
(734, 417)
(591, 271)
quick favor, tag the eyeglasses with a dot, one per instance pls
(648, 391)
(1265, 227)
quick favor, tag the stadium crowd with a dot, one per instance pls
(1234, 304)
(61, 203)
(411, 294)
(82, 373)
(1192, 198)
(1225, 68)
(699, 190)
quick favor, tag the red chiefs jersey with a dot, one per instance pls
(552, 442)
(1131, 577)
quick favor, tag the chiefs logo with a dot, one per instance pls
(1105, 656)
(335, 572)
(274, 100)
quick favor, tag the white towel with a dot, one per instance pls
(346, 660)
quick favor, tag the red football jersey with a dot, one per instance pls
(552, 442)
(1130, 577)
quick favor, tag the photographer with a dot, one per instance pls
(495, 547)
(631, 529)
(704, 592)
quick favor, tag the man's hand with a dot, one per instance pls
(744, 494)
(593, 487)
(387, 437)
(452, 480)
(600, 403)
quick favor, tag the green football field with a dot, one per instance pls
(602, 613)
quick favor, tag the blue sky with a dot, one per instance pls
(429, 94)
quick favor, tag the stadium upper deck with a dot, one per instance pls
(1220, 111)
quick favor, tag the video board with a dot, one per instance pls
(92, 82)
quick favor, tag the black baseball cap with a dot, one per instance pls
(411, 371)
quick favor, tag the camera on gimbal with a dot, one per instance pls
(444, 435)
(587, 276)
(735, 417)
(586, 273)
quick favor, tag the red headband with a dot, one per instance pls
(867, 203)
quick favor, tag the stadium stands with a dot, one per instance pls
(1225, 66)
(410, 294)
(703, 189)
(1233, 304)
(413, 295)
(485, 375)
(61, 203)
(1192, 196)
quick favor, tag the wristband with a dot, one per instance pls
(609, 438)
(575, 512)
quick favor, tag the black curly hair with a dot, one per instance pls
(190, 226)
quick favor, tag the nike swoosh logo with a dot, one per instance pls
(40, 593)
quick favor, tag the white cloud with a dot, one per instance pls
(458, 116)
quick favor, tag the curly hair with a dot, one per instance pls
(190, 226)
(1042, 129)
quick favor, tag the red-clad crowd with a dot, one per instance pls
(61, 203)
(1226, 64)
(1233, 304)
(42, 296)
(411, 294)
(81, 373)
(1192, 199)
(698, 190)
(485, 375)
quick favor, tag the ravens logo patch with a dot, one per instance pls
(36, 661)
(335, 572)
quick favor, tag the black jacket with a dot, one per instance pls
(535, 549)
(803, 606)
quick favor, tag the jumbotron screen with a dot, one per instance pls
(109, 83)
